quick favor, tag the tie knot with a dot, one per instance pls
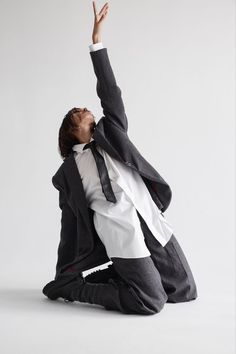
(90, 145)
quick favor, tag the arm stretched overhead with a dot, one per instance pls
(107, 89)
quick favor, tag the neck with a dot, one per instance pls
(85, 136)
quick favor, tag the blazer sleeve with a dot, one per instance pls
(107, 89)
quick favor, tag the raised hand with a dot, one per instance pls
(98, 20)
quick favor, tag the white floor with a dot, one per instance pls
(33, 324)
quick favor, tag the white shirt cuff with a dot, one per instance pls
(95, 46)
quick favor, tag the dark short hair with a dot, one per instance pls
(66, 139)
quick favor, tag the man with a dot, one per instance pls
(112, 203)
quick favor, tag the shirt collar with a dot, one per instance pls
(79, 147)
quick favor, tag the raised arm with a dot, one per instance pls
(107, 89)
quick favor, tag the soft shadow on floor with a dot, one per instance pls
(31, 323)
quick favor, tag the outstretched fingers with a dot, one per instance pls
(102, 13)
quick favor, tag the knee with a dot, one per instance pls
(149, 305)
(154, 307)
(141, 301)
(144, 309)
(158, 303)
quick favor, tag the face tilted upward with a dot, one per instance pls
(79, 114)
(83, 118)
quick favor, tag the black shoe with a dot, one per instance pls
(62, 287)
(102, 275)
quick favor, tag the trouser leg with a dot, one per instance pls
(170, 260)
(144, 282)
(137, 289)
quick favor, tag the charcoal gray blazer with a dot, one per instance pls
(79, 247)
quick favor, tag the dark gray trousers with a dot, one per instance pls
(145, 284)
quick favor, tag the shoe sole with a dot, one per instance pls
(102, 275)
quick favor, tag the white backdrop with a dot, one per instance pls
(174, 62)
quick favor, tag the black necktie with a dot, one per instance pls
(102, 170)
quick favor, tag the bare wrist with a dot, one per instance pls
(96, 39)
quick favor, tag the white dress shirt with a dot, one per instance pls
(117, 224)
